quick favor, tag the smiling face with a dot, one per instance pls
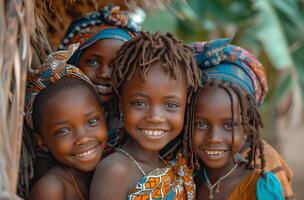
(214, 127)
(153, 109)
(74, 128)
(95, 63)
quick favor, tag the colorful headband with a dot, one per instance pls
(108, 23)
(219, 60)
(54, 68)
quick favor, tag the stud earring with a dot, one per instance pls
(121, 117)
(45, 149)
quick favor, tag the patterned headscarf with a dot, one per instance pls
(54, 68)
(219, 60)
(109, 23)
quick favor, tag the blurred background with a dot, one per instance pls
(272, 29)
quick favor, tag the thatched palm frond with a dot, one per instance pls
(15, 54)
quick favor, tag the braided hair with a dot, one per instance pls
(146, 49)
(251, 120)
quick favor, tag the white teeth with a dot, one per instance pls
(153, 132)
(105, 89)
(86, 153)
(216, 152)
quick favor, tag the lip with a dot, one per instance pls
(88, 153)
(214, 154)
(153, 134)
(104, 89)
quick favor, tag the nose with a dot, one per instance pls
(155, 115)
(82, 138)
(104, 72)
(215, 136)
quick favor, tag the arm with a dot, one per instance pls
(48, 188)
(110, 181)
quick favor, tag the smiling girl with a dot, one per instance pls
(72, 129)
(226, 131)
(153, 77)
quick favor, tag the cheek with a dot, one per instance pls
(197, 139)
(177, 120)
(61, 146)
(89, 71)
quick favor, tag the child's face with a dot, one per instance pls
(213, 127)
(154, 109)
(95, 63)
(74, 129)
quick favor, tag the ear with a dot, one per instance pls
(39, 140)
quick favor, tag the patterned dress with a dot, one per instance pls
(171, 183)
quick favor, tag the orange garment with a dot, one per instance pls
(173, 182)
(246, 190)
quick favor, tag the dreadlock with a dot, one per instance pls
(251, 120)
(146, 49)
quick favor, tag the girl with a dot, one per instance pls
(72, 129)
(153, 76)
(227, 125)
(100, 35)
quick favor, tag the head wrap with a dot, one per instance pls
(108, 23)
(54, 68)
(219, 60)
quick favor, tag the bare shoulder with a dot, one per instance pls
(112, 178)
(50, 186)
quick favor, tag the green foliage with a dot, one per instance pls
(272, 29)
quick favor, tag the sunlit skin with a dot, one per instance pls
(95, 63)
(74, 130)
(213, 132)
(153, 112)
(157, 104)
(72, 126)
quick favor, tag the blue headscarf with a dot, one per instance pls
(219, 60)
(108, 23)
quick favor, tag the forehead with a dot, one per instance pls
(70, 99)
(157, 80)
(105, 45)
(216, 101)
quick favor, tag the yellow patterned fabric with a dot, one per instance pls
(173, 182)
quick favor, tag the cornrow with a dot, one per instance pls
(177, 59)
(251, 120)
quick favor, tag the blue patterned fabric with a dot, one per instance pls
(219, 60)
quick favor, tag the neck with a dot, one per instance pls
(84, 177)
(139, 153)
(214, 174)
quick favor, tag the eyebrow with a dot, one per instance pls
(90, 113)
(166, 97)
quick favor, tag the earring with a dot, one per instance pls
(45, 149)
(121, 117)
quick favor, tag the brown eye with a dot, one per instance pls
(93, 121)
(62, 131)
(172, 106)
(230, 125)
(140, 104)
(92, 61)
(201, 125)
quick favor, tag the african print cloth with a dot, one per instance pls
(109, 23)
(219, 60)
(54, 68)
(173, 182)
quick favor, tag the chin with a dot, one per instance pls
(105, 98)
